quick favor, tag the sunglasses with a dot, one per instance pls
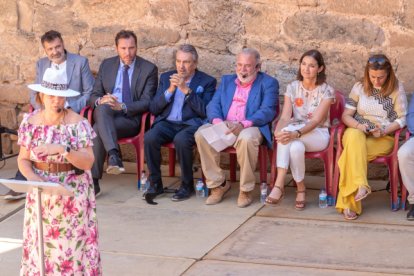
(377, 60)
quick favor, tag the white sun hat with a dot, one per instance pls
(54, 83)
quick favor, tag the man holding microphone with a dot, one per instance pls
(180, 108)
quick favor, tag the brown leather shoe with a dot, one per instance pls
(217, 194)
(245, 199)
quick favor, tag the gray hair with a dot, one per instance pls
(188, 48)
(253, 52)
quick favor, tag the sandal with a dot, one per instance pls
(362, 193)
(270, 201)
(300, 204)
(349, 215)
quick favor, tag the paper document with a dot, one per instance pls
(216, 136)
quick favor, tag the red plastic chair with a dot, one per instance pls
(263, 153)
(402, 187)
(390, 160)
(327, 155)
(137, 141)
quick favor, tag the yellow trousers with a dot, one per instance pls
(359, 149)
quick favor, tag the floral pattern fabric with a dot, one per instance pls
(305, 101)
(70, 227)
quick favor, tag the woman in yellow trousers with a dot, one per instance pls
(376, 108)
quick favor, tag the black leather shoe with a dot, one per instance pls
(410, 214)
(115, 165)
(181, 194)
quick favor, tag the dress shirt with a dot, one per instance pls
(177, 108)
(237, 111)
(118, 82)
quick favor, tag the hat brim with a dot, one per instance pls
(53, 92)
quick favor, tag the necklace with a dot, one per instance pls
(59, 121)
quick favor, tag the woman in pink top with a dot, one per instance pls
(303, 125)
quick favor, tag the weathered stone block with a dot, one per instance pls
(69, 23)
(8, 117)
(14, 94)
(215, 64)
(205, 40)
(8, 16)
(164, 58)
(221, 17)
(365, 7)
(405, 67)
(8, 70)
(401, 39)
(25, 13)
(105, 36)
(176, 12)
(308, 26)
(263, 21)
(154, 36)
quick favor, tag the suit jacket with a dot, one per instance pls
(260, 107)
(79, 76)
(194, 107)
(143, 84)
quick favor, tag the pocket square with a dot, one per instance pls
(200, 89)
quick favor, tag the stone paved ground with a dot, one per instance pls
(190, 238)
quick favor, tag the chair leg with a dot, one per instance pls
(233, 166)
(328, 164)
(393, 171)
(171, 161)
(273, 170)
(403, 192)
(263, 164)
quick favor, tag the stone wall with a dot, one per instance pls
(346, 32)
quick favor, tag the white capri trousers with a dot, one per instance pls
(293, 154)
(406, 163)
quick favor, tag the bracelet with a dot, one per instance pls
(299, 133)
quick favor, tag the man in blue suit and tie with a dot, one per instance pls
(180, 107)
(246, 103)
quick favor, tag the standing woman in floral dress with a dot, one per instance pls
(56, 146)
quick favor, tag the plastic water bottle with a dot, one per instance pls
(263, 192)
(143, 182)
(323, 199)
(200, 191)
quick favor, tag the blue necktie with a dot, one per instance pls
(126, 89)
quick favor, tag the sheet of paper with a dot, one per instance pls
(216, 136)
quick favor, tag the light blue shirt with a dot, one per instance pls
(119, 78)
(176, 113)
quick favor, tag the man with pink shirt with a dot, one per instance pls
(246, 102)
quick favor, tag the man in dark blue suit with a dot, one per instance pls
(180, 107)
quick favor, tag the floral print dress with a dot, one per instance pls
(70, 227)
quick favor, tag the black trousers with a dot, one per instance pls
(183, 138)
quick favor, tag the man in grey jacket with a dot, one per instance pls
(77, 70)
(79, 77)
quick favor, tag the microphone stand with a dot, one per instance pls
(8, 131)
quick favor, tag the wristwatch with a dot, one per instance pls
(66, 152)
(124, 108)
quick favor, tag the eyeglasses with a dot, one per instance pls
(377, 60)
